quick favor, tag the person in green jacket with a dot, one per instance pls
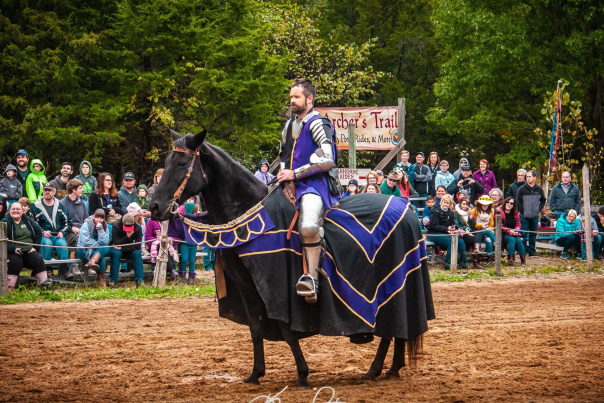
(87, 179)
(568, 232)
(390, 185)
(142, 197)
(35, 181)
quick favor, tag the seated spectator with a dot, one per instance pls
(55, 222)
(485, 177)
(3, 205)
(596, 238)
(442, 221)
(465, 186)
(380, 177)
(568, 232)
(35, 181)
(485, 216)
(60, 181)
(152, 234)
(430, 204)
(127, 236)
(78, 212)
(142, 198)
(464, 224)
(127, 192)
(188, 251)
(352, 188)
(440, 192)
(372, 188)
(23, 229)
(443, 177)
(497, 196)
(565, 195)
(262, 174)
(390, 187)
(520, 180)
(135, 211)
(24, 201)
(10, 185)
(510, 226)
(404, 186)
(462, 162)
(156, 179)
(89, 181)
(106, 198)
(95, 233)
(599, 219)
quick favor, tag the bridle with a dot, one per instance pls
(176, 198)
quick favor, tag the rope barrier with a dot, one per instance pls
(86, 247)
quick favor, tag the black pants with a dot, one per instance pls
(469, 240)
(31, 260)
(569, 241)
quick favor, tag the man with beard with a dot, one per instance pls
(307, 155)
(60, 181)
(465, 186)
(513, 189)
(23, 170)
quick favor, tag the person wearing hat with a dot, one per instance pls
(423, 178)
(94, 233)
(10, 185)
(35, 180)
(127, 236)
(484, 215)
(53, 218)
(262, 174)
(23, 170)
(462, 162)
(390, 186)
(352, 188)
(127, 192)
(466, 185)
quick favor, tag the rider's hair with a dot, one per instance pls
(308, 88)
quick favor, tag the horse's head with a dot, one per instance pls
(182, 177)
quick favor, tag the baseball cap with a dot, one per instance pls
(353, 182)
(128, 223)
(49, 185)
(22, 152)
(420, 153)
(466, 168)
(129, 175)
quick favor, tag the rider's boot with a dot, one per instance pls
(308, 284)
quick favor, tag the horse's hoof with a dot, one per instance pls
(253, 379)
(392, 375)
(302, 383)
(370, 376)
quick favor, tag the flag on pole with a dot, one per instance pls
(556, 134)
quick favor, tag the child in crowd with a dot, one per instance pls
(352, 189)
(24, 201)
(35, 181)
(11, 185)
(430, 202)
(155, 248)
(142, 198)
(188, 251)
(87, 179)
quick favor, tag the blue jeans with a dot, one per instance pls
(187, 256)
(46, 251)
(445, 242)
(529, 224)
(489, 240)
(103, 251)
(514, 243)
(137, 264)
(595, 247)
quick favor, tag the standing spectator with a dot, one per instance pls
(127, 235)
(142, 197)
(464, 223)
(510, 226)
(462, 162)
(352, 188)
(127, 192)
(372, 188)
(443, 177)
(520, 180)
(55, 222)
(596, 238)
(3, 205)
(106, 198)
(423, 177)
(465, 186)
(188, 251)
(599, 219)
(497, 196)
(87, 179)
(262, 174)
(390, 187)
(35, 181)
(23, 170)
(568, 232)
(407, 168)
(380, 177)
(485, 177)
(484, 215)
(442, 221)
(434, 167)
(95, 233)
(60, 181)
(10, 185)
(530, 200)
(565, 195)
(23, 229)
(156, 179)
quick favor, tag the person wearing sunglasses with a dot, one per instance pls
(510, 226)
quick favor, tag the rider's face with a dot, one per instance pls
(298, 101)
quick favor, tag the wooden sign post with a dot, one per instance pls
(587, 217)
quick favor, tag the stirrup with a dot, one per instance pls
(302, 287)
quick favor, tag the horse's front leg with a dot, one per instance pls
(294, 344)
(378, 362)
(398, 358)
(259, 364)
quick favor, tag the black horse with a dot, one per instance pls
(229, 190)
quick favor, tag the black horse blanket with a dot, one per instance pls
(374, 279)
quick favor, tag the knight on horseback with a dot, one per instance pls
(307, 155)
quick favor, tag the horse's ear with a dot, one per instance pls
(175, 135)
(194, 141)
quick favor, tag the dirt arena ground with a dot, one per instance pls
(518, 339)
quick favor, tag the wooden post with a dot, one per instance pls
(352, 147)
(454, 243)
(401, 138)
(3, 259)
(498, 241)
(159, 276)
(587, 218)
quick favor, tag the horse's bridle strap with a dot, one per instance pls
(182, 186)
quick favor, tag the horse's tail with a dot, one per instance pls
(414, 348)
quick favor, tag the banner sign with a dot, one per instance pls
(346, 174)
(375, 128)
